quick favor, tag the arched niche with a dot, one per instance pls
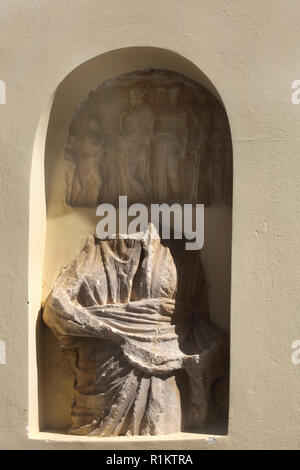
(63, 229)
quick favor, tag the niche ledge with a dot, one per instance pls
(184, 439)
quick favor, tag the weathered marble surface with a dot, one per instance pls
(136, 312)
(154, 136)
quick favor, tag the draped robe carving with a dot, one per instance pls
(135, 310)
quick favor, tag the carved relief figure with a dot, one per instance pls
(136, 127)
(219, 164)
(136, 312)
(194, 157)
(169, 144)
(84, 176)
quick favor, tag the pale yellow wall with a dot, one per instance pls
(249, 50)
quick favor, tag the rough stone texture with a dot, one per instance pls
(155, 136)
(136, 312)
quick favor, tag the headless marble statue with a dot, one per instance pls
(135, 310)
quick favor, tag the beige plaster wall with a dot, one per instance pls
(248, 49)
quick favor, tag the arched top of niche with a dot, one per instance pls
(76, 86)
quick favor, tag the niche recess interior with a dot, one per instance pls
(147, 123)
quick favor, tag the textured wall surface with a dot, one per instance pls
(249, 50)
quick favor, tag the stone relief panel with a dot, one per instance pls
(155, 136)
(135, 311)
